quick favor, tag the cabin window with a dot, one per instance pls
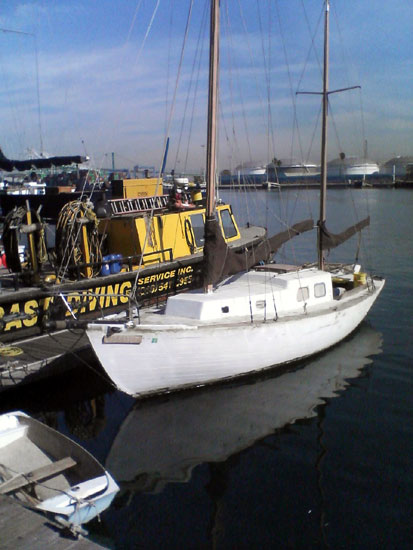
(198, 228)
(303, 294)
(319, 290)
(228, 224)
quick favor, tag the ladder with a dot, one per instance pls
(119, 207)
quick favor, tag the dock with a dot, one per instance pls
(39, 356)
(22, 528)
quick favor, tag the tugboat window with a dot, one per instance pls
(228, 224)
(197, 221)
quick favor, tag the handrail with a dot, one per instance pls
(128, 260)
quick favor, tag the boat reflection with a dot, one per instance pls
(162, 440)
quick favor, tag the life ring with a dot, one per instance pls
(10, 351)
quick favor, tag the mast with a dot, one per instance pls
(323, 190)
(325, 94)
(212, 109)
(212, 117)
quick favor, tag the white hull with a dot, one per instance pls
(247, 169)
(354, 171)
(252, 173)
(215, 424)
(170, 357)
(300, 171)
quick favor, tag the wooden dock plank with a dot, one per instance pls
(21, 528)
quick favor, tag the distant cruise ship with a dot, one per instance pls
(292, 168)
(251, 169)
(352, 167)
(396, 166)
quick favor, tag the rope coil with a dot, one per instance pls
(15, 225)
(71, 240)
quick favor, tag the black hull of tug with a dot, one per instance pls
(32, 310)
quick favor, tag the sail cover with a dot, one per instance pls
(220, 261)
(9, 165)
(331, 240)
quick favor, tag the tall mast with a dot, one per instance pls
(212, 109)
(325, 93)
(212, 128)
(323, 190)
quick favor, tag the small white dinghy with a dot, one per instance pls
(48, 471)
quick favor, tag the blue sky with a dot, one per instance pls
(107, 73)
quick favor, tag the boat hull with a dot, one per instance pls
(78, 512)
(215, 424)
(50, 472)
(181, 357)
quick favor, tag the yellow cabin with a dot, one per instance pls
(168, 236)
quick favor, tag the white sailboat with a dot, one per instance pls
(252, 320)
(212, 424)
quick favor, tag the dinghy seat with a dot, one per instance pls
(37, 475)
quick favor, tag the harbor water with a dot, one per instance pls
(315, 456)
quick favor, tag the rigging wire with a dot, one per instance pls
(127, 40)
(352, 109)
(13, 109)
(135, 15)
(173, 104)
(283, 201)
(201, 40)
(168, 65)
(255, 74)
(244, 184)
(36, 52)
(198, 50)
(333, 122)
(148, 30)
(267, 73)
(312, 48)
(293, 100)
(363, 129)
(240, 88)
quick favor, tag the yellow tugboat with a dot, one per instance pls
(98, 251)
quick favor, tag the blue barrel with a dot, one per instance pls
(115, 266)
(105, 269)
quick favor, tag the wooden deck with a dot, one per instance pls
(39, 356)
(21, 528)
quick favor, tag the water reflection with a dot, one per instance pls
(86, 419)
(80, 397)
(161, 441)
